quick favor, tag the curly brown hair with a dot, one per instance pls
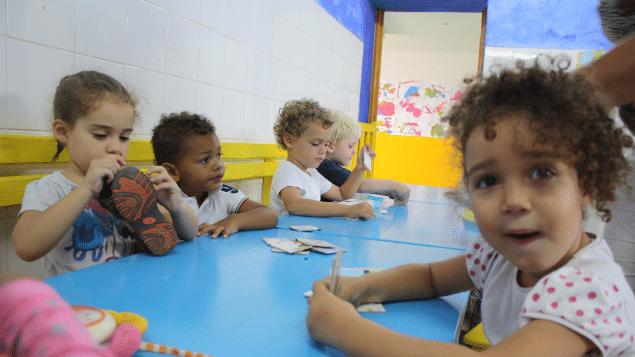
(173, 130)
(78, 94)
(565, 110)
(297, 115)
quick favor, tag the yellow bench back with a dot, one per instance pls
(259, 161)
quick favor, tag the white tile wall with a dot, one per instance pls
(236, 62)
(101, 29)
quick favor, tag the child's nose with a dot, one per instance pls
(114, 147)
(516, 198)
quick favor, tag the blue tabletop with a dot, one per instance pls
(430, 224)
(235, 297)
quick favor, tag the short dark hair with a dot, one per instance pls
(173, 130)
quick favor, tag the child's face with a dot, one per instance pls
(527, 201)
(344, 150)
(106, 130)
(200, 169)
(308, 150)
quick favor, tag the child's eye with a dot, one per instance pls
(486, 182)
(541, 174)
(99, 136)
(124, 138)
(218, 156)
(204, 160)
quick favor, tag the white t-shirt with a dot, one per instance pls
(588, 295)
(311, 185)
(217, 206)
(95, 237)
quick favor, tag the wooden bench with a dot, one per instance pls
(20, 155)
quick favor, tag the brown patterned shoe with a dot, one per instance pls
(132, 198)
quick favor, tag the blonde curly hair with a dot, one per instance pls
(296, 116)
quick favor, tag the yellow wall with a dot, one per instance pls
(416, 160)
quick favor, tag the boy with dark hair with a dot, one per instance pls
(187, 146)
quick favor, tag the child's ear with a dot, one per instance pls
(61, 131)
(287, 139)
(172, 171)
(329, 147)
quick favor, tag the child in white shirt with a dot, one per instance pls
(303, 129)
(187, 146)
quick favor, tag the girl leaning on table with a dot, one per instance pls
(538, 148)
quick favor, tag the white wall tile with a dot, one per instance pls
(146, 36)
(211, 57)
(179, 95)
(238, 20)
(233, 115)
(3, 83)
(306, 49)
(33, 73)
(305, 82)
(253, 123)
(235, 65)
(290, 10)
(353, 78)
(189, 9)
(277, 35)
(49, 23)
(182, 47)
(259, 73)
(209, 102)
(164, 4)
(101, 29)
(272, 108)
(346, 43)
(147, 87)
(284, 82)
(316, 22)
(214, 14)
(260, 27)
(3, 17)
(83, 63)
(290, 46)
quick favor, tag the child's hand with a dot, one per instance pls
(168, 192)
(400, 191)
(104, 167)
(328, 315)
(361, 210)
(226, 227)
(360, 157)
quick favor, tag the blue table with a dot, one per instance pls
(424, 223)
(235, 297)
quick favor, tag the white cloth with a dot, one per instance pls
(217, 206)
(311, 185)
(95, 237)
(588, 295)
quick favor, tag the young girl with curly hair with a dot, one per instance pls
(538, 148)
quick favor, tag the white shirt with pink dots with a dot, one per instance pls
(588, 295)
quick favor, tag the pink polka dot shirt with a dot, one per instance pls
(588, 295)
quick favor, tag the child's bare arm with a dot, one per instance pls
(295, 204)
(37, 233)
(390, 188)
(251, 215)
(171, 204)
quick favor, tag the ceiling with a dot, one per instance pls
(431, 5)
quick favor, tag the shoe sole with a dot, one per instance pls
(133, 199)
